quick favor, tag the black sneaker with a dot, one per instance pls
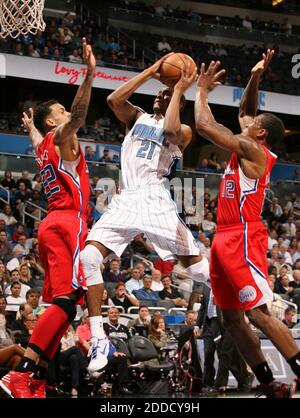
(276, 390)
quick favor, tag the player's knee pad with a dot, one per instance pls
(67, 305)
(91, 259)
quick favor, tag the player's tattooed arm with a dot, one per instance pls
(125, 111)
(174, 131)
(35, 136)
(249, 101)
(79, 109)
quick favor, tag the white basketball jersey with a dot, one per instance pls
(146, 156)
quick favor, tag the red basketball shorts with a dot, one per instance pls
(61, 237)
(238, 266)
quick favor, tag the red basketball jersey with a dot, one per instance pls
(66, 184)
(240, 198)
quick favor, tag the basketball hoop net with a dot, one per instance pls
(20, 17)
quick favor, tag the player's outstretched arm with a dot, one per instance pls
(210, 129)
(35, 136)
(174, 131)
(249, 101)
(66, 133)
(118, 99)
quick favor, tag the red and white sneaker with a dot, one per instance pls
(16, 384)
(38, 388)
(277, 390)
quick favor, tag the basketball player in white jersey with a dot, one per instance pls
(152, 144)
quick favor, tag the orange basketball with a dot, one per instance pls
(170, 70)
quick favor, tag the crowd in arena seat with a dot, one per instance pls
(61, 41)
(192, 15)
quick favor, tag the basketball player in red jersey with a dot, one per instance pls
(61, 235)
(238, 269)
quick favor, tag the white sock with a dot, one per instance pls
(96, 324)
(200, 271)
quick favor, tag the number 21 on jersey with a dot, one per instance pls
(143, 150)
(228, 189)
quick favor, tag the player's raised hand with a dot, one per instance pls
(211, 78)
(263, 64)
(186, 80)
(88, 56)
(28, 121)
(154, 69)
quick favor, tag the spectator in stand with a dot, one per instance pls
(296, 255)
(105, 157)
(205, 247)
(272, 239)
(165, 267)
(100, 42)
(293, 246)
(22, 337)
(21, 245)
(146, 294)
(100, 63)
(101, 199)
(8, 182)
(57, 56)
(10, 353)
(33, 299)
(90, 154)
(135, 282)
(141, 324)
(283, 249)
(163, 46)
(123, 298)
(14, 262)
(106, 301)
(159, 9)
(283, 287)
(247, 24)
(70, 355)
(204, 165)
(16, 277)
(6, 251)
(156, 281)
(14, 301)
(3, 303)
(290, 317)
(4, 277)
(213, 162)
(141, 266)
(113, 328)
(171, 293)
(24, 310)
(159, 337)
(208, 225)
(24, 179)
(75, 58)
(113, 45)
(7, 216)
(25, 274)
(21, 196)
(114, 274)
(276, 209)
(31, 52)
(290, 227)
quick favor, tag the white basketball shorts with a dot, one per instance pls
(150, 211)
